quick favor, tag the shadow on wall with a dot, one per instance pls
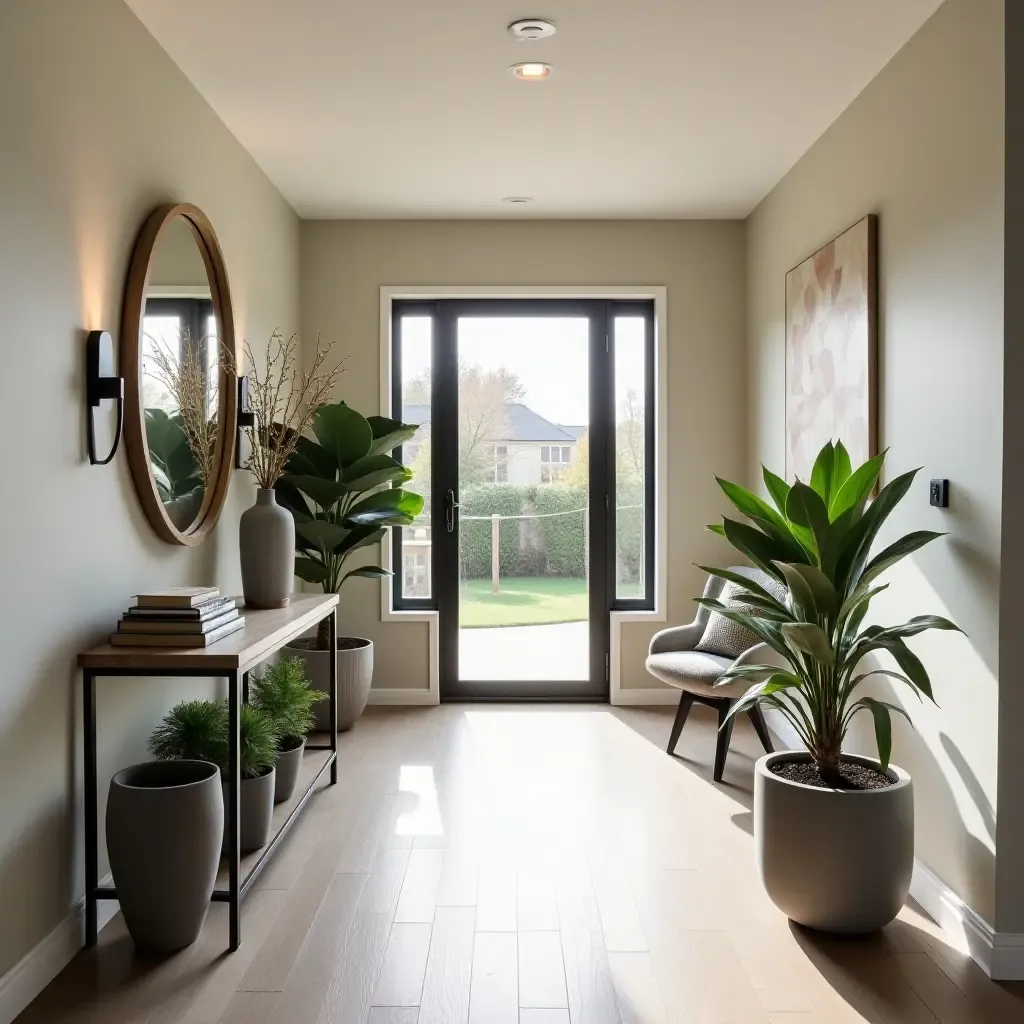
(971, 783)
(975, 597)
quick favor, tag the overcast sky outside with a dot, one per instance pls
(547, 354)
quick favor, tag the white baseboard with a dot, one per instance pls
(34, 971)
(999, 954)
(645, 696)
(399, 697)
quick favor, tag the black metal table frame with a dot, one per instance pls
(238, 693)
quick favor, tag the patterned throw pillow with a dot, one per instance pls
(729, 639)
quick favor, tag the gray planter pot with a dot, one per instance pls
(835, 860)
(355, 674)
(184, 511)
(256, 812)
(266, 546)
(287, 771)
(164, 825)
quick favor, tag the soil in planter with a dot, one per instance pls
(345, 643)
(851, 775)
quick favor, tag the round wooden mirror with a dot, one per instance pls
(180, 392)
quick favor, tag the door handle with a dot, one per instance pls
(450, 505)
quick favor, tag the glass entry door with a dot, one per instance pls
(516, 402)
(523, 513)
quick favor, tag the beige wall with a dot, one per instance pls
(922, 147)
(177, 260)
(1010, 834)
(97, 127)
(343, 265)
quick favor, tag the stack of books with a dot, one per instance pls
(179, 617)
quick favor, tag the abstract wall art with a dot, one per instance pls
(831, 350)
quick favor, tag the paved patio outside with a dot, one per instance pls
(557, 651)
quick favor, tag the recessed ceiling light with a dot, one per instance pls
(531, 28)
(531, 71)
(517, 200)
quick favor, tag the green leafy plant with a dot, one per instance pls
(175, 468)
(284, 695)
(344, 490)
(198, 730)
(817, 542)
(194, 730)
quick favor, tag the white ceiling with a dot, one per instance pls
(404, 108)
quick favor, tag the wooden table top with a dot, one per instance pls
(266, 630)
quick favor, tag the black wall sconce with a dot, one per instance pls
(101, 383)
(246, 418)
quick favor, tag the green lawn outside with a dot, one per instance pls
(526, 601)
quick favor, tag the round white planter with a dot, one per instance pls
(834, 860)
(355, 674)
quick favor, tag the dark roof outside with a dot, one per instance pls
(524, 424)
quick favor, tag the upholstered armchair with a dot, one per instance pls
(674, 658)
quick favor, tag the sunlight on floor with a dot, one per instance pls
(425, 818)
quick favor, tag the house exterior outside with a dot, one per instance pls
(535, 450)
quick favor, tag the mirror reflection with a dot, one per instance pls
(180, 370)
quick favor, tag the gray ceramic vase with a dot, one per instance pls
(287, 769)
(256, 812)
(164, 825)
(266, 546)
(355, 674)
(835, 860)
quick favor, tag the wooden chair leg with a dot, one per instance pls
(724, 737)
(685, 703)
(757, 717)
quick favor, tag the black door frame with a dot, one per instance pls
(444, 442)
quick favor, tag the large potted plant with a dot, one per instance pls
(198, 730)
(344, 491)
(282, 692)
(834, 832)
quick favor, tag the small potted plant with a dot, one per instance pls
(284, 695)
(834, 832)
(198, 730)
(284, 399)
(344, 491)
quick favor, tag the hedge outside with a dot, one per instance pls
(563, 537)
(475, 536)
(552, 545)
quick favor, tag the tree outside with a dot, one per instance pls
(484, 396)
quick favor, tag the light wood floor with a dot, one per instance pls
(530, 865)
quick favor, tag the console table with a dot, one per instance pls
(265, 632)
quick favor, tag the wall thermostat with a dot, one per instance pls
(938, 493)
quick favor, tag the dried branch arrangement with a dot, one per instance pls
(195, 393)
(284, 400)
